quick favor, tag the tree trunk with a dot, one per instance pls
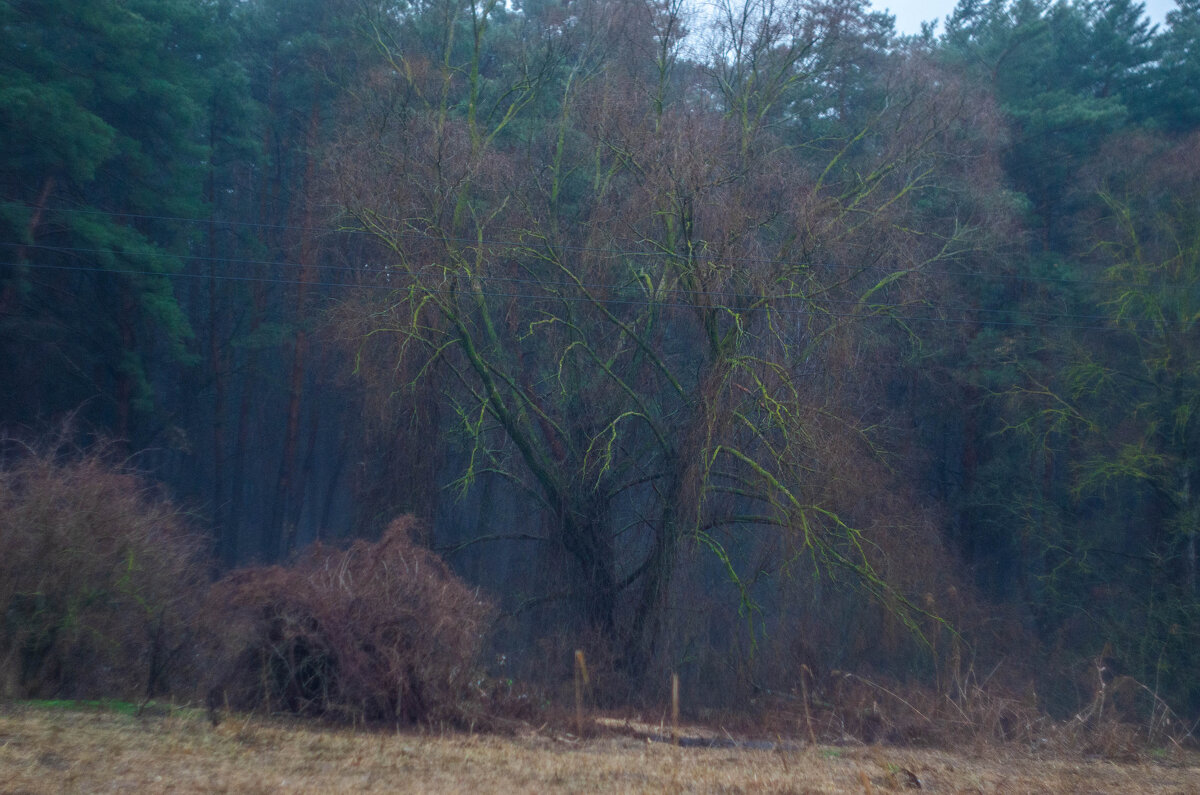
(8, 298)
(249, 381)
(217, 364)
(1189, 530)
(124, 386)
(286, 490)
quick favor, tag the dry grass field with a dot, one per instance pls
(94, 750)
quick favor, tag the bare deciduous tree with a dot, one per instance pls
(637, 295)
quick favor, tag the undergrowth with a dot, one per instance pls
(99, 581)
(376, 632)
(106, 604)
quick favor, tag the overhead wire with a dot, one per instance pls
(361, 270)
(576, 298)
(1033, 315)
(413, 234)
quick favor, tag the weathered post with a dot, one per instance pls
(581, 680)
(675, 708)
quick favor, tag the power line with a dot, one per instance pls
(572, 299)
(610, 252)
(721, 294)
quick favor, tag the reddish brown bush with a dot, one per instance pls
(99, 581)
(380, 632)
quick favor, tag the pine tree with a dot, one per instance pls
(103, 104)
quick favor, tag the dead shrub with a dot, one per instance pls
(1123, 722)
(848, 707)
(380, 631)
(99, 580)
(1123, 719)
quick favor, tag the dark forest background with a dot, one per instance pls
(754, 344)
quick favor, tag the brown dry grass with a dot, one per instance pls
(92, 751)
